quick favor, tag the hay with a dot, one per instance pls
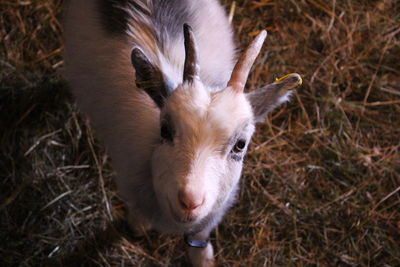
(321, 182)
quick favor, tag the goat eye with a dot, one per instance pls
(239, 146)
(166, 132)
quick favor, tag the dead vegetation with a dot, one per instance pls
(322, 178)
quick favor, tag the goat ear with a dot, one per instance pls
(149, 78)
(266, 98)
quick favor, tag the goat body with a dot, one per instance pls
(177, 123)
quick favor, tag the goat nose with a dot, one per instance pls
(190, 201)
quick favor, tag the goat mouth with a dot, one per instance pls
(184, 218)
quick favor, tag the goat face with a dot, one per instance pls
(204, 138)
(204, 135)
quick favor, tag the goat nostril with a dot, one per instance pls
(189, 201)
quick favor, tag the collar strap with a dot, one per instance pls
(194, 243)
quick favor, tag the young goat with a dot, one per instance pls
(178, 132)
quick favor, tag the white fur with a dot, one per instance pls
(203, 259)
(285, 98)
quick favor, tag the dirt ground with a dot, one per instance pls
(321, 181)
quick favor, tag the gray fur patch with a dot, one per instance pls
(169, 17)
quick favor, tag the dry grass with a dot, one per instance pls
(322, 178)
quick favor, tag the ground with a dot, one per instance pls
(321, 180)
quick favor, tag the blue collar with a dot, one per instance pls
(194, 243)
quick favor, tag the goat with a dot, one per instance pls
(178, 123)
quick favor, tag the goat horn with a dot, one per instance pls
(242, 68)
(191, 68)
